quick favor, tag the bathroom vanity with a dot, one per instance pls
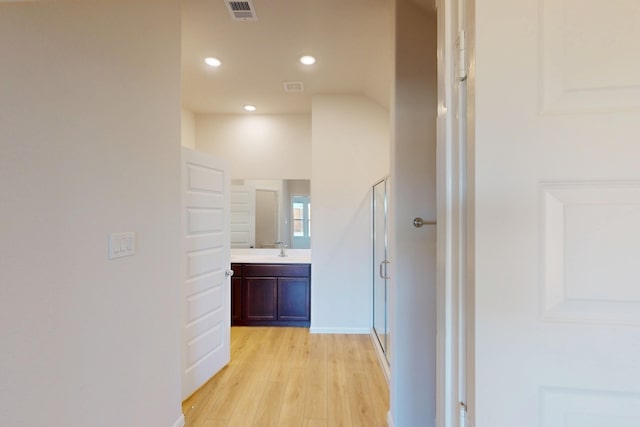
(270, 291)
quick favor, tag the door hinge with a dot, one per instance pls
(461, 66)
(463, 414)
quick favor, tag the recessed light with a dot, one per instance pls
(307, 60)
(213, 62)
(250, 108)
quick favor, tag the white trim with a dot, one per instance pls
(320, 330)
(179, 422)
(454, 199)
(446, 176)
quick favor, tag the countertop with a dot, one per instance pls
(271, 256)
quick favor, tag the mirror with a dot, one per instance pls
(267, 211)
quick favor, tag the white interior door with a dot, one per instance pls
(557, 194)
(206, 303)
(243, 216)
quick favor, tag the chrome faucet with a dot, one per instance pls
(282, 248)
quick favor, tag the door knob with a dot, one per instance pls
(419, 222)
(228, 273)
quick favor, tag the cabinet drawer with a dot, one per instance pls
(276, 270)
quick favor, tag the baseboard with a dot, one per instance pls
(179, 422)
(315, 330)
(389, 420)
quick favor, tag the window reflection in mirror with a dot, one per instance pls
(266, 211)
(301, 218)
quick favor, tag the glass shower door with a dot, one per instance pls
(380, 281)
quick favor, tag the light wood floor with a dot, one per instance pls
(288, 377)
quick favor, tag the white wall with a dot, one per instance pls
(274, 146)
(299, 187)
(90, 137)
(413, 194)
(188, 128)
(350, 152)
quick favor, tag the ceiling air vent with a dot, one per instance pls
(241, 10)
(293, 86)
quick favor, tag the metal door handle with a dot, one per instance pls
(228, 273)
(419, 222)
(383, 275)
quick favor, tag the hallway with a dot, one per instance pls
(288, 377)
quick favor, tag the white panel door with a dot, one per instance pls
(557, 193)
(206, 296)
(243, 216)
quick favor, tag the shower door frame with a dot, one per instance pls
(379, 270)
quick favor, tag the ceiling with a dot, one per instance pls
(351, 40)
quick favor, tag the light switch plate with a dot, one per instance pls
(122, 244)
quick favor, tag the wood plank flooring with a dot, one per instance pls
(287, 377)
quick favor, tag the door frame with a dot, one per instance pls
(455, 230)
(381, 353)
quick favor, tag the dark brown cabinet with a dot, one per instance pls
(236, 294)
(261, 297)
(271, 295)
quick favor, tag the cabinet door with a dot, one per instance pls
(236, 300)
(293, 298)
(260, 298)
